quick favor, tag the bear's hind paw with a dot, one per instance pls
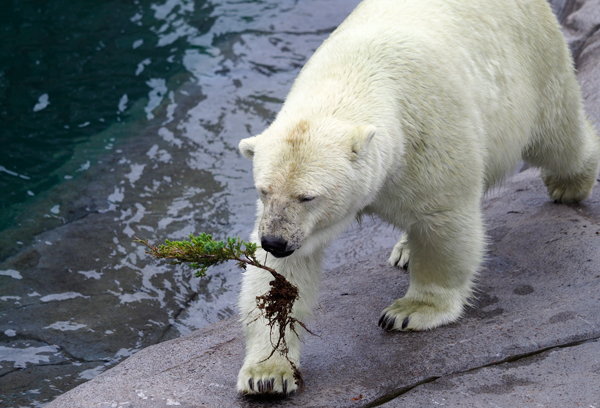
(410, 315)
(570, 190)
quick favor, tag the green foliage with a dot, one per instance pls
(203, 251)
(276, 305)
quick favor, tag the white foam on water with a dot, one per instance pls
(62, 296)
(197, 64)
(155, 96)
(136, 218)
(91, 373)
(12, 173)
(162, 12)
(142, 65)
(12, 273)
(124, 352)
(172, 106)
(179, 204)
(136, 18)
(131, 297)
(114, 199)
(123, 103)
(161, 155)
(169, 136)
(176, 26)
(135, 174)
(20, 357)
(66, 326)
(117, 196)
(91, 274)
(85, 166)
(42, 103)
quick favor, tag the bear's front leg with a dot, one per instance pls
(264, 371)
(446, 251)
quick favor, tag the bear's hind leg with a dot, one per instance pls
(569, 157)
(445, 255)
(400, 253)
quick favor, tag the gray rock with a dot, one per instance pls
(538, 292)
(556, 378)
(562, 8)
(580, 24)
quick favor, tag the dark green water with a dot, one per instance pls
(70, 69)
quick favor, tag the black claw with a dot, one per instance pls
(405, 323)
(386, 321)
(272, 384)
(405, 267)
(285, 387)
(251, 383)
(259, 385)
(390, 324)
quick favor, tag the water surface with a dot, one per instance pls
(122, 119)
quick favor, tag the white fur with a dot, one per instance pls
(411, 110)
(400, 253)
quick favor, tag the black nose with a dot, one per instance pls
(276, 246)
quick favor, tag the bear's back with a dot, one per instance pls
(493, 61)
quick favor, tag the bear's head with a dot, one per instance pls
(310, 179)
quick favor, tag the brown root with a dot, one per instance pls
(276, 307)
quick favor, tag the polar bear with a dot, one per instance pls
(410, 110)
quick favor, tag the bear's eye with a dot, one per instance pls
(306, 198)
(262, 193)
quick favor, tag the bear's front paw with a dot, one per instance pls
(267, 377)
(407, 315)
(400, 253)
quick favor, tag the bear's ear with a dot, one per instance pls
(247, 147)
(361, 138)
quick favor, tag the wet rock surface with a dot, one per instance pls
(536, 311)
(558, 377)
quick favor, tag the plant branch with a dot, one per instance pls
(276, 305)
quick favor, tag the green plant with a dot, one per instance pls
(276, 305)
(203, 251)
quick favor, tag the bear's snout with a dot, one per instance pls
(277, 246)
